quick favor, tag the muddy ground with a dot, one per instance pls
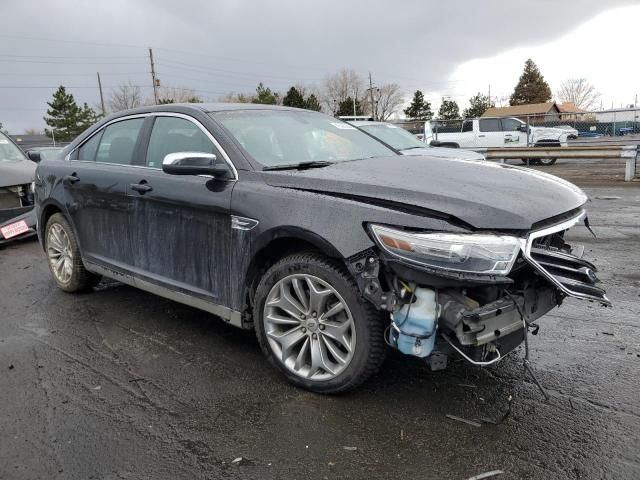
(118, 383)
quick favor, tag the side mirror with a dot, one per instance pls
(34, 156)
(435, 143)
(194, 163)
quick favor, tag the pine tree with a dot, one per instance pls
(265, 96)
(531, 88)
(420, 109)
(449, 110)
(312, 103)
(293, 98)
(87, 117)
(478, 104)
(345, 108)
(63, 116)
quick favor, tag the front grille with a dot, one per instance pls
(575, 274)
(548, 253)
(9, 198)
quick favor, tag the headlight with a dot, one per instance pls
(474, 253)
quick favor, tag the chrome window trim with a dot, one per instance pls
(156, 114)
(527, 243)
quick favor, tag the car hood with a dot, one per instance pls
(16, 172)
(548, 132)
(482, 194)
(443, 152)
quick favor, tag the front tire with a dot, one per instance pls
(314, 327)
(63, 255)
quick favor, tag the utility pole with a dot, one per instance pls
(104, 112)
(373, 105)
(489, 95)
(153, 77)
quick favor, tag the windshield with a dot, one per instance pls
(393, 135)
(287, 137)
(8, 151)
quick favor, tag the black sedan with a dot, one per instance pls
(326, 242)
(17, 218)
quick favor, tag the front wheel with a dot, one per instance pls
(547, 161)
(313, 325)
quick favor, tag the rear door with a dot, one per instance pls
(95, 191)
(181, 223)
(490, 134)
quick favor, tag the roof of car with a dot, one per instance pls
(205, 107)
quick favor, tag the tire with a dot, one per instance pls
(357, 323)
(547, 162)
(63, 256)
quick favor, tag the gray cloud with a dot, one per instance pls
(222, 46)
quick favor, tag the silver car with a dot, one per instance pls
(407, 144)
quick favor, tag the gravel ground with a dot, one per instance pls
(118, 383)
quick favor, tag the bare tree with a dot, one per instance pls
(340, 86)
(177, 95)
(124, 97)
(387, 100)
(579, 92)
(233, 97)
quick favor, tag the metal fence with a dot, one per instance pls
(620, 126)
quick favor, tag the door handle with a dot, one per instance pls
(141, 187)
(71, 179)
(481, 136)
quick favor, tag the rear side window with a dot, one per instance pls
(89, 148)
(173, 134)
(490, 125)
(118, 142)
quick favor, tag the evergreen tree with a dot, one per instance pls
(478, 104)
(64, 117)
(345, 108)
(265, 96)
(531, 88)
(448, 110)
(420, 109)
(87, 117)
(165, 101)
(312, 103)
(293, 98)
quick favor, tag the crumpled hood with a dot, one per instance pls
(16, 172)
(443, 152)
(547, 132)
(482, 194)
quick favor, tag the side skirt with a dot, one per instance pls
(228, 315)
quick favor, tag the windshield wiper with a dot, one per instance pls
(416, 146)
(300, 166)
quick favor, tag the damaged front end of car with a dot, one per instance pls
(477, 294)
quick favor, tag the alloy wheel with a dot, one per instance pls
(60, 253)
(309, 327)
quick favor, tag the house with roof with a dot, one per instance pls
(534, 112)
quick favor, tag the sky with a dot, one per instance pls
(452, 48)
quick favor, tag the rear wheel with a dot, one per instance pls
(63, 256)
(314, 326)
(547, 161)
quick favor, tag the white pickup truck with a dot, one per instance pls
(481, 133)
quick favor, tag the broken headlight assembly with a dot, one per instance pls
(477, 253)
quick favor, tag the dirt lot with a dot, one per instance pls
(118, 383)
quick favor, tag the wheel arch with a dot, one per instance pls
(274, 245)
(46, 211)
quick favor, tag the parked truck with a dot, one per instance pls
(481, 133)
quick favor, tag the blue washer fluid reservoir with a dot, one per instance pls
(414, 326)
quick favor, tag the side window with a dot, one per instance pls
(89, 148)
(467, 126)
(173, 134)
(119, 141)
(490, 125)
(510, 125)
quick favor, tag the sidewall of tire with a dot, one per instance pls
(367, 322)
(81, 278)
